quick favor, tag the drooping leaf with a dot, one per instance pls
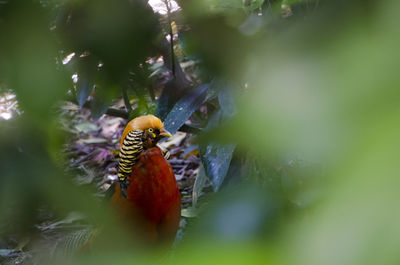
(84, 89)
(185, 107)
(216, 157)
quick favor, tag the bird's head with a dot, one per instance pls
(152, 127)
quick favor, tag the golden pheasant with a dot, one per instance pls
(147, 198)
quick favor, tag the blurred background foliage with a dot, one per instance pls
(291, 106)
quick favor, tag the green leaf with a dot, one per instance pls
(217, 157)
(185, 107)
(84, 89)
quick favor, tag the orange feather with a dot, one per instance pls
(153, 204)
(142, 123)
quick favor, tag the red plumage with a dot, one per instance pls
(153, 204)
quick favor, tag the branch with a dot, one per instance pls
(117, 113)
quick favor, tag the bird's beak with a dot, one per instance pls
(165, 133)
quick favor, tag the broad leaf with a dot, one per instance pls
(185, 107)
(217, 157)
(84, 89)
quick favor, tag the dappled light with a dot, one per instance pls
(163, 7)
(8, 106)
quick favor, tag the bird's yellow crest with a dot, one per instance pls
(142, 123)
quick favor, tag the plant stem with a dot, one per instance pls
(171, 35)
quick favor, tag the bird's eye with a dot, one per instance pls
(150, 130)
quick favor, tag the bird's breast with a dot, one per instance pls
(153, 187)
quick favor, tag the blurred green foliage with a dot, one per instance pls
(301, 135)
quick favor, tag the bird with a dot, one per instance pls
(147, 197)
(140, 133)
